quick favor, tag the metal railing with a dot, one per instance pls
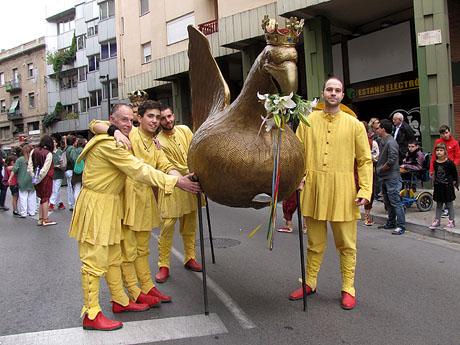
(209, 28)
(14, 84)
(17, 115)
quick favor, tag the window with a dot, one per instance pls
(4, 132)
(147, 52)
(65, 25)
(30, 70)
(71, 108)
(2, 106)
(33, 126)
(82, 73)
(95, 98)
(107, 9)
(84, 105)
(114, 88)
(108, 49)
(144, 6)
(31, 100)
(177, 28)
(68, 82)
(15, 75)
(92, 29)
(93, 63)
(2, 78)
(81, 42)
(19, 128)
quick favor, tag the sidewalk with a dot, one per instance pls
(418, 222)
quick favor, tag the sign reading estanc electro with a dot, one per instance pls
(381, 88)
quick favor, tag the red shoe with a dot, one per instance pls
(348, 301)
(193, 265)
(298, 294)
(101, 323)
(162, 275)
(118, 308)
(61, 206)
(163, 298)
(51, 207)
(152, 301)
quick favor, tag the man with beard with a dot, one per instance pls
(332, 144)
(96, 221)
(175, 142)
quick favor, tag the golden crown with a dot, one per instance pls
(282, 37)
(137, 96)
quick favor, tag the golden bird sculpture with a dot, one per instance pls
(233, 162)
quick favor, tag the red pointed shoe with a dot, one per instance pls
(100, 323)
(193, 265)
(298, 294)
(152, 301)
(162, 275)
(118, 308)
(348, 301)
(163, 298)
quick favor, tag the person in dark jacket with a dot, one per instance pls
(387, 170)
(403, 133)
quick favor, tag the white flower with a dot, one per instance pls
(285, 102)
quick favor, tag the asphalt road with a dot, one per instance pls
(407, 289)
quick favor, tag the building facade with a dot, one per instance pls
(23, 99)
(394, 55)
(87, 84)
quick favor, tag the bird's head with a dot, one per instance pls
(281, 63)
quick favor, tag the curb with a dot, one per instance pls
(447, 235)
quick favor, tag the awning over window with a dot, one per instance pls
(14, 105)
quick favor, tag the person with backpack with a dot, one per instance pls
(27, 195)
(41, 168)
(57, 180)
(78, 168)
(71, 143)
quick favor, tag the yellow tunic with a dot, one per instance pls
(331, 145)
(140, 205)
(97, 215)
(176, 147)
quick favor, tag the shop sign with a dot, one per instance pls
(380, 89)
(428, 38)
(22, 138)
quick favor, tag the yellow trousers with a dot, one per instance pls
(96, 261)
(187, 229)
(135, 267)
(345, 242)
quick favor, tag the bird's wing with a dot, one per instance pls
(210, 92)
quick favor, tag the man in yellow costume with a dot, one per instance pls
(96, 220)
(175, 142)
(139, 203)
(332, 143)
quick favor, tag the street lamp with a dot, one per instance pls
(106, 77)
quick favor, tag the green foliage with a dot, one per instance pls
(63, 57)
(54, 116)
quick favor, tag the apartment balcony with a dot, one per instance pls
(209, 28)
(14, 85)
(16, 115)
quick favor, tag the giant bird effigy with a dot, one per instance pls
(232, 155)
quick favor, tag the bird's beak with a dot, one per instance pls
(285, 77)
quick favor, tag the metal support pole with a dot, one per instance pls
(302, 253)
(203, 260)
(108, 96)
(209, 228)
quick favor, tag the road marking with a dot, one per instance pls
(229, 303)
(135, 332)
